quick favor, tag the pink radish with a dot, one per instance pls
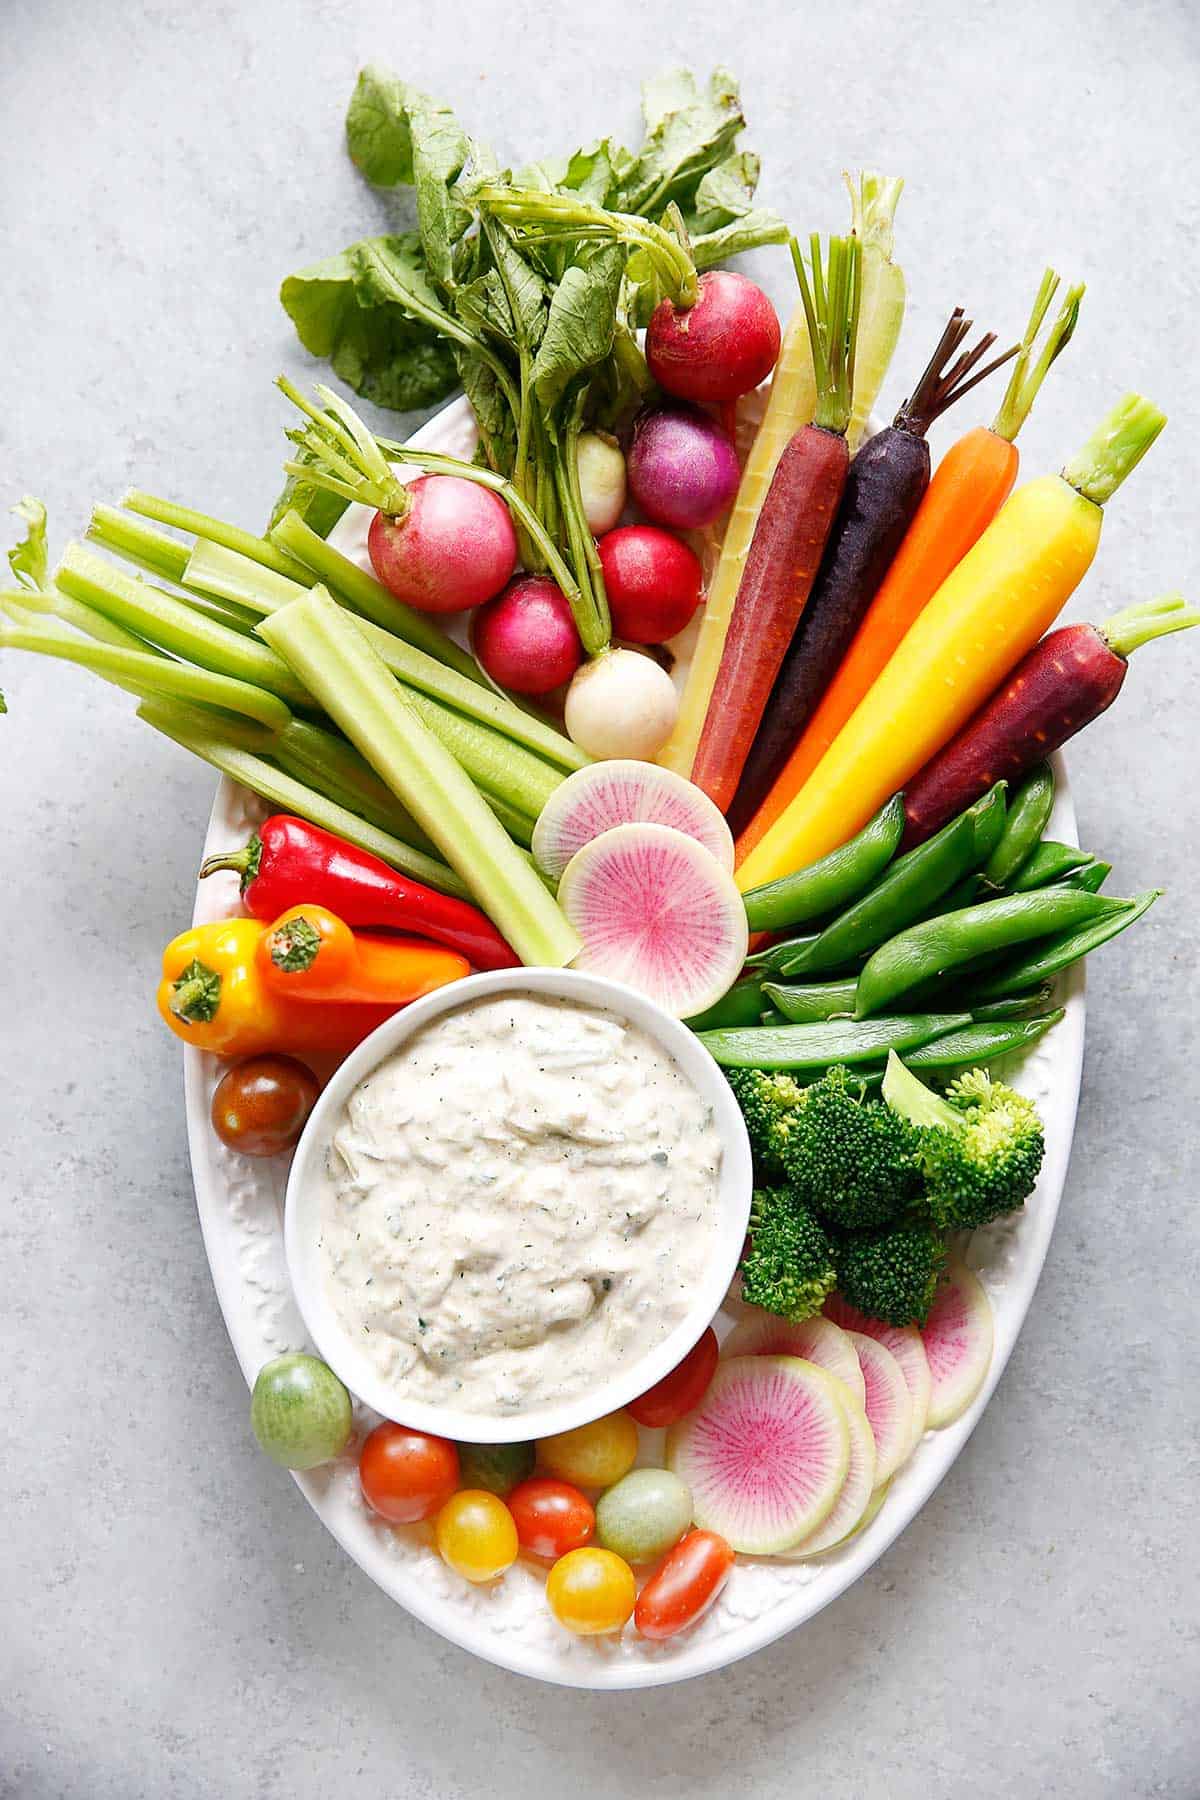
(653, 582)
(621, 703)
(451, 547)
(656, 911)
(888, 1407)
(765, 1453)
(624, 792)
(904, 1342)
(526, 638)
(683, 469)
(958, 1343)
(816, 1340)
(857, 1488)
(719, 348)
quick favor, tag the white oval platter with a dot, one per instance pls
(240, 1203)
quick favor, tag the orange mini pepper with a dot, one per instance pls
(311, 955)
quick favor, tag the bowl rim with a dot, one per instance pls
(733, 1199)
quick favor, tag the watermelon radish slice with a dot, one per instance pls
(624, 792)
(817, 1341)
(857, 1488)
(888, 1409)
(765, 1453)
(958, 1343)
(904, 1342)
(873, 1505)
(656, 911)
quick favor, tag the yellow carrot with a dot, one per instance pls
(986, 615)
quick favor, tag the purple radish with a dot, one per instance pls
(624, 792)
(816, 1340)
(656, 911)
(958, 1343)
(904, 1342)
(765, 1453)
(683, 469)
(888, 1408)
(857, 1488)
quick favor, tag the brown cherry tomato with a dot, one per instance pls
(406, 1475)
(684, 1585)
(551, 1517)
(260, 1106)
(682, 1389)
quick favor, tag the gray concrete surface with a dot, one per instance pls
(175, 1621)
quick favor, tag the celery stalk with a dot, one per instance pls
(84, 618)
(198, 524)
(329, 653)
(327, 762)
(215, 569)
(138, 543)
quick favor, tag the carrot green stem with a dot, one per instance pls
(1129, 629)
(1115, 448)
(940, 386)
(1024, 383)
(831, 296)
(874, 199)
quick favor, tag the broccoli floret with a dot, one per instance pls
(980, 1146)
(851, 1159)
(769, 1100)
(893, 1274)
(789, 1266)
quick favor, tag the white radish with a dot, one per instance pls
(601, 468)
(958, 1337)
(621, 704)
(857, 1488)
(817, 1340)
(904, 1342)
(888, 1407)
(625, 792)
(653, 909)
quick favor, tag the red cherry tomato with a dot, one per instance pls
(684, 1585)
(406, 1475)
(551, 1516)
(682, 1389)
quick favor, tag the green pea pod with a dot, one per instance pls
(740, 1006)
(991, 822)
(1091, 878)
(980, 1043)
(937, 946)
(1049, 862)
(1066, 947)
(819, 1000)
(913, 884)
(771, 960)
(819, 1045)
(1016, 1006)
(1028, 817)
(826, 885)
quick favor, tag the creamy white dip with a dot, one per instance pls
(516, 1202)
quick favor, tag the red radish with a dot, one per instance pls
(719, 348)
(857, 1489)
(958, 1343)
(452, 547)
(904, 1342)
(621, 704)
(765, 1453)
(816, 1340)
(624, 792)
(526, 638)
(683, 469)
(656, 911)
(601, 480)
(888, 1406)
(1064, 682)
(653, 582)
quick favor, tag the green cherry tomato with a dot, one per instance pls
(495, 1467)
(476, 1535)
(300, 1412)
(591, 1591)
(644, 1514)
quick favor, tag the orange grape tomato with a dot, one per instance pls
(591, 1591)
(682, 1389)
(476, 1535)
(260, 1106)
(593, 1455)
(684, 1585)
(406, 1475)
(551, 1517)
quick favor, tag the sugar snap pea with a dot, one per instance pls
(1028, 816)
(741, 1005)
(818, 1045)
(1091, 878)
(771, 960)
(826, 885)
(981, 1042)
(1015, 1006)
(937, 946)
(816, 1000)
(1050, 862)
(1042, 960)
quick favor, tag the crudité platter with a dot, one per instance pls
(643, 882)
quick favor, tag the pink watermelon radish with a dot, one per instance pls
(904, 1342)
(958, 1343)
(857, 1488)
(765, 1453)
(816, 1340)
(888, 1408)
(873, 1505)
(656, 911)
(624, 792)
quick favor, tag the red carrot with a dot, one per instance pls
(1064, 682)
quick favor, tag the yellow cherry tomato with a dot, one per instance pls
(591, 1591)
(595, 1455)
(476, 1535)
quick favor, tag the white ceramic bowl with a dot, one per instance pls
(302, 1208)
